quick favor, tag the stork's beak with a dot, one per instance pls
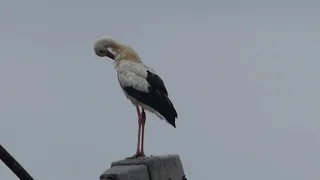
(110, 55)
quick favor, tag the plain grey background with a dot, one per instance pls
(243, 76)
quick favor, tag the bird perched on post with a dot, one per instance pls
(140, 84)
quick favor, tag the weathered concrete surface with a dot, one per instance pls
(133, 172)
(147, 168)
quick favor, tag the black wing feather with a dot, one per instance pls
(158, 101)
(157, 97)
(156, 83)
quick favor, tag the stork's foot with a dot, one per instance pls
(137, 155)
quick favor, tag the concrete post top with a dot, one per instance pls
(164, 167)
(146, 160)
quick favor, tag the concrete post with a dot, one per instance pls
(165, 167)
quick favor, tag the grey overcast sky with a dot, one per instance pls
(243, 76)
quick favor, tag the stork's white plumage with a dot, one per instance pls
(141, 85)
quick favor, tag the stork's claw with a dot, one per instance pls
(137, 155)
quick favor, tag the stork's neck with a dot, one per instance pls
(128, 64)
(127, 55)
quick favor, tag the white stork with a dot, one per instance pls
(141, 85)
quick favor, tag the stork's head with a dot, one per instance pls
(107, 47)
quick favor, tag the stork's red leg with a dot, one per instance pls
(138, 152)
(143, 121)
(138, 143)
(139, 129)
